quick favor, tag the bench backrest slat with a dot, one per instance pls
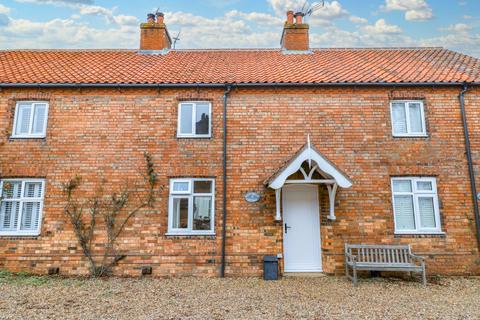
(384, 254)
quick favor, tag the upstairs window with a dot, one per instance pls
(21, 204)
(30, 119)
(408, 119)
(415, 205)
(194, 119)
(191, 206)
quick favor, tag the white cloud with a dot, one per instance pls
(244, 30)
(87, 7)
(3, 9)
(356, 19)
(29, 34)
(415, 10)
(381, 27)
(330, 10)
(459, 27)
(60, 2)
(280, 7)
(255, 17)
(465, 42)
(4, 19)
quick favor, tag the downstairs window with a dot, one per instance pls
(415, 205)
(21, 206)
(191, 207)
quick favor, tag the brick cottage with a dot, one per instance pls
(289, 151)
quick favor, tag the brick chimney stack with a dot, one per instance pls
(295, 33)
(154, 34)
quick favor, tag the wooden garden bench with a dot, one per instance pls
(382, 258)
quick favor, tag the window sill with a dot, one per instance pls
(194, 137)
(188, 234)
(411, 136)
(27, 137)
(18, 235)
(439, 234)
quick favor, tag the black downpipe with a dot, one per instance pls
(224, 203)
(469, 160)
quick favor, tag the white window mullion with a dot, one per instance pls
(194, 118)
(170, 213)
(20, 212)
(32, 117)
(416, 213)
(407, 118)
(190, 213)
(424, 122)
(438, 225)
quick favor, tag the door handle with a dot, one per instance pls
(286, 227)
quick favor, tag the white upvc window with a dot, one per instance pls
(415, 205)
(195, 119)
(408, 118)
(30, 119)
(21, 206)
(191, 207)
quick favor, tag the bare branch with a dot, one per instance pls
(110, 210)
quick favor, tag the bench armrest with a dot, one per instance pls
(417, 258)
(350, 258)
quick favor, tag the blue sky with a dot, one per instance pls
(454, 24)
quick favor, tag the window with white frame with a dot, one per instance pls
(21, 206)
(408, 118)
(191, 206)
(30, 119)
(415, 205)
(194, 119)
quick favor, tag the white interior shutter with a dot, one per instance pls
(402, 185)
(415, 115)
(399, 118)
(33, 190)
(186, 119)
(9, 211)
(40, 112)
(427, 212)
(24, 112)
(30, 216)
(404, 214)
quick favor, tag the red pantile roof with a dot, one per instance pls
(381, 65)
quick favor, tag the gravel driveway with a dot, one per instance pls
(197, 298)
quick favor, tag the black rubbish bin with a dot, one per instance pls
(270, 268)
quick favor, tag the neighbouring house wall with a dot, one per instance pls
(103, 133)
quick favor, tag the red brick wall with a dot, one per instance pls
(103, 133)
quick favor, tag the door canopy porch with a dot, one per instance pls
(318, 166)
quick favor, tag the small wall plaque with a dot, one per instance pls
(252, 196)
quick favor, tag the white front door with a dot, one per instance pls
(301, 229)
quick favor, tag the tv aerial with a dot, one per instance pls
(176, 38)
(308, 10)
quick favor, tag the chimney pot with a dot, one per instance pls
(298, 18)
(150, 18)
(160, 17)
(290, 17)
